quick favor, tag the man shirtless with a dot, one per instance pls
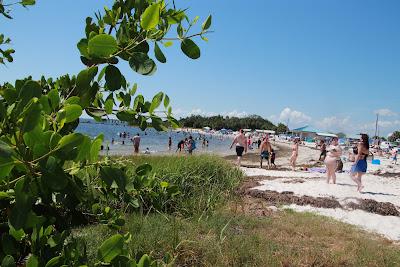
(265, 152)
(241, 146)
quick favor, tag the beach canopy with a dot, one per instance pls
(327, 134)
(307, 129)
(310, 130)
(265, 131)
(247, 130)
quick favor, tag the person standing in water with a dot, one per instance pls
(265, 152)
(295, 153)
(169, 143)
(360, 166)
(191, 145)
(240, 141)
(333, 155)
(136, 143)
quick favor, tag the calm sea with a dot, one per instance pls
(157, 142)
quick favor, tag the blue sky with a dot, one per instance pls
(330, 64)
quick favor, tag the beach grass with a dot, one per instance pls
(211, 228)
(204, 181)
(231, 239)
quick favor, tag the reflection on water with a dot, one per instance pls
(157, 142)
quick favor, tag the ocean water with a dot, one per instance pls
(157, 142)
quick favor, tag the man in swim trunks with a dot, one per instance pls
(265, 152)
(136, 143)
(241, 146)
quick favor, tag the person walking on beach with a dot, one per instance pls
(333, 155)
(295, 153)
(360, 166)
(272, 157)
(322, 148)
(265, 152)
(241, 146)
(394, 155)
(136, 143)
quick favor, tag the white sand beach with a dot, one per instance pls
(378, 187)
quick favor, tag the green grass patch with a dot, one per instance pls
(229, 239)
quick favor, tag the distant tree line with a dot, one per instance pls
(234, 123)
(394, 136)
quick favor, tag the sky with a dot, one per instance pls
(330, 64)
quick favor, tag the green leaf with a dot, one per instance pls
(5, 150)
(72, 100)
(166, 101)
(84, 149)
(168, 44)
(157, 99)
(108, 106)
(28, 91)
(8, 244)
(113, 78)
(101, 74)
(28, 2)
(8, 261)
(144, 261)
(142, 64)
(150, 17)
(159, 54)
(54, 262)
(144, 169)
(72, 112)
(190, 49)
(132, 92)
(206, 25)
(102, 46)
(70, 141)
(6, 166)
(111, 248)
(32, 261)
(95, 148)
(83, 47)
(32, 116)
(54, 98)
(54, 176)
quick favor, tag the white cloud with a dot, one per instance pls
(335, 124)
(385, 112)
(294, 116)
(198, 111)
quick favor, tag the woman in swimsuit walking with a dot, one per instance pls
(295, 153)
(334, 153)
(360, 166)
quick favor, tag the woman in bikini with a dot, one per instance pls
(360, 166)
(295, 153)
(333, 154)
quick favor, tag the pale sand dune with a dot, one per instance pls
(378, 188)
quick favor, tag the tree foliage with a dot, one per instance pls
(395, 136)
(234, 123)
(51, 178)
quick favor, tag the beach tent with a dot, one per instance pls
(247, 130)
(206, 129)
